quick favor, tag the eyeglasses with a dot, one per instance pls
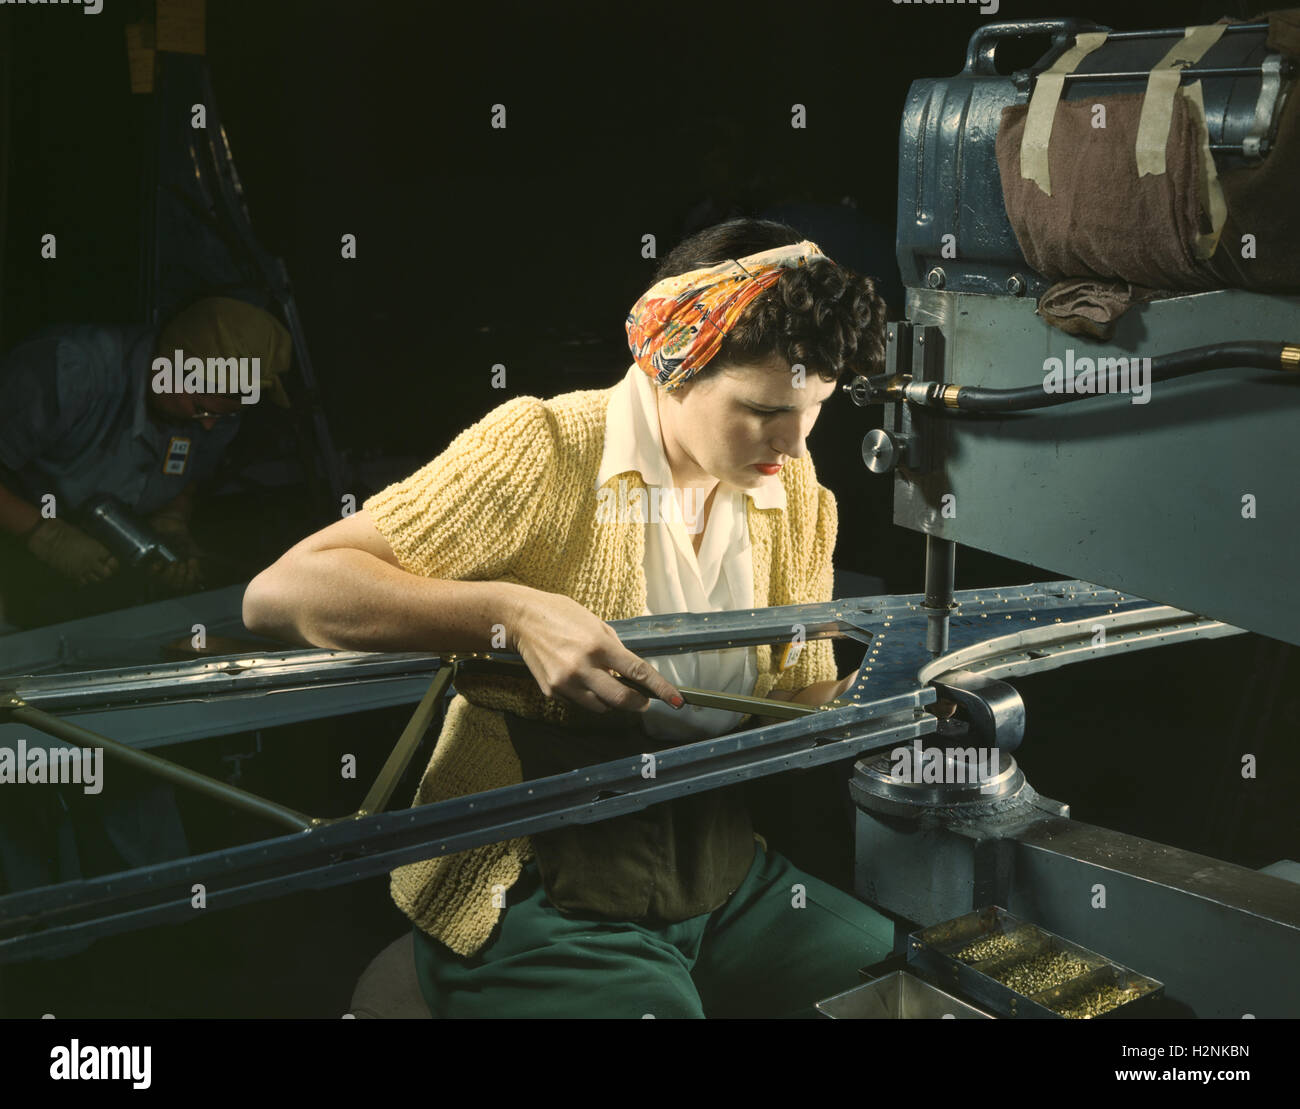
(204, 414)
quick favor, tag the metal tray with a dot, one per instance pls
(897, 996)
(1027, 972)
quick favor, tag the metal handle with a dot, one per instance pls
(984, 42)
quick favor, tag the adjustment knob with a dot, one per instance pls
(882, 450)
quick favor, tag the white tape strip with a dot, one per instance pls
(1162, 85)
(1212, 199)
(1042, 109)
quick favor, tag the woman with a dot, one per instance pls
(686, 487)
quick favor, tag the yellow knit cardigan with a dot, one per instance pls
(513, 498)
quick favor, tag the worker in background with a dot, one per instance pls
(83, 413)
(80, 417)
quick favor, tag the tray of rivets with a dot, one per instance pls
(1017, 969)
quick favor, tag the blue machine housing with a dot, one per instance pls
(948, 180)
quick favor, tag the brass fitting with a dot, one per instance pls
(894, 387)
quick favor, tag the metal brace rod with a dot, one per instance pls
(15, 709)
(381, 792)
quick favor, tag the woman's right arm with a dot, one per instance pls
(343, 588)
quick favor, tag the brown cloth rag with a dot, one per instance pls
(1090, 306)
(1102, 220)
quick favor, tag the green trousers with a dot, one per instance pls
(782, 942)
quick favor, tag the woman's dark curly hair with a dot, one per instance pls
(821, 315)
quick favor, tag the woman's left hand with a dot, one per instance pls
(819, 693)
(843, 686)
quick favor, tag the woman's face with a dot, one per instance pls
(738, 417)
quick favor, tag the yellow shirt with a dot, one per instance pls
(514, 498)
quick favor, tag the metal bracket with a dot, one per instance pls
(994, 709)
(1267, 108)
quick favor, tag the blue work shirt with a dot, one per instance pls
(74, 421)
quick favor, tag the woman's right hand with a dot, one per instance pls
(570, 652)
